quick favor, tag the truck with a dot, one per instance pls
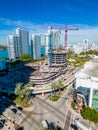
(81, 124)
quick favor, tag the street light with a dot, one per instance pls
(57, 125)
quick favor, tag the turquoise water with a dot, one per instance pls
(4, 53)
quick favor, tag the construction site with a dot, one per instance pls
(42, 72)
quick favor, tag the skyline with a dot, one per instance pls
(31, 14)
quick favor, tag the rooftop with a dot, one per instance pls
(59, 51)
(90, 70)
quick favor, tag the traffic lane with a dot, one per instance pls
(67, 122)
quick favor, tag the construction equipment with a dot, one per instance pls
(66, 32)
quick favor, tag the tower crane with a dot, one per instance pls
(66, 32)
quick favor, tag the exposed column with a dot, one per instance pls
(91, 95)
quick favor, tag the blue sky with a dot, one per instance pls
(30, 14)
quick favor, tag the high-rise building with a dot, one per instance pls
(18, 43)
(36, 46)
(52, 40)
(23, 44)
(12, 42)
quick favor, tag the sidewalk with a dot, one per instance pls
(77, 114)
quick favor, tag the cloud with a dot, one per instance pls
(85, 31)
(33, 26)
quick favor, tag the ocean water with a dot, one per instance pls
(4, 53)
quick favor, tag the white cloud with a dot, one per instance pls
(85, 31)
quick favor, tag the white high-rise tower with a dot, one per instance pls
(12, 42)
(36, 46)
(23, 41)
(52, 39)
(18, 43)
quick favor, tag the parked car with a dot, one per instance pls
(13, 103)
(20, 108)
(2, 122)
(45, 124)
(14, 110)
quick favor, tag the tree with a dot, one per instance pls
(22, 91)
(27, 90)
(90, 114)
(24, 56)
(18, 89)
(60, 85)
(32, 83)
(72, 91)
(53, 86)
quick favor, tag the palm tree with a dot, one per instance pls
(60, 85)
(18, 89)
(72, 91)
(53, 86)
(27, 90)
(32, 83)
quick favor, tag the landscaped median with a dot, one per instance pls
(54, 97)
(22, 102)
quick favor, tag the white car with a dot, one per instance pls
(45, 123)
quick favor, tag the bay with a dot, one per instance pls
(4, 53)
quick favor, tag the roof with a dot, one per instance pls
(91, 68)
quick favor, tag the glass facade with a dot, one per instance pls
(95, 98)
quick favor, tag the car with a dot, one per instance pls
(2, 122)
(45, 123)
(74, 126)
(13, 103)
(1, 125)
(14, 110)
(20, 108)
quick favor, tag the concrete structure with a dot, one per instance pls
(56, 55)
(2, 64)
(52, 40)
(12, 43)
(87, 83)
(36, 46)
(57, 58)
(23, 44)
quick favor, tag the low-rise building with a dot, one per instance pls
(86, 82)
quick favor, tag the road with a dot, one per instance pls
(67, 121)
(44, 111)
(54, 112)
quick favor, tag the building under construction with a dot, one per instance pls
(57, 58)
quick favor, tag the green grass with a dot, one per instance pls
(22, 102)
(54, 98)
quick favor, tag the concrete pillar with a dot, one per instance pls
(43, 94)
(91, 95)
